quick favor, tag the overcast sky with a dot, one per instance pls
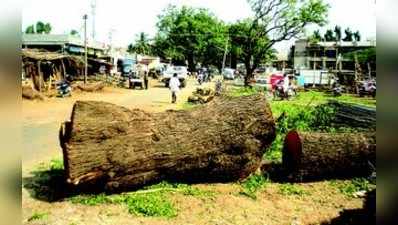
(126, 18)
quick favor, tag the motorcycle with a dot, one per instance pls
(337, 90)
(64, 89)
(282, 94)
(367, 88)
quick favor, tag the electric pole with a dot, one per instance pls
(85, 48)
(225, 55)
(93, 13)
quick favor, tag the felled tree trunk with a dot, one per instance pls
(314, 156)
(221, 141)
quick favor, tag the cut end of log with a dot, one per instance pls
(292, 150)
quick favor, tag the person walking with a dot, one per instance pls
(146, 79)
(174, 85)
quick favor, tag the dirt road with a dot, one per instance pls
(41, 120)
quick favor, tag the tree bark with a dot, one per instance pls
(223, 140)
(313, 156)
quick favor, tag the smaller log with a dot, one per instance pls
(91, 87)
(315, 156)
(29, 93)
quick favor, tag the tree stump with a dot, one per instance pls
(220, 141)
(314, 156)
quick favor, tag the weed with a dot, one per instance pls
(252, 184)
(47, 182)
(291, 189)
(90, 199)
(154, 204)
(38, 216)
(151, 201)
(349, 187)
(243, 91)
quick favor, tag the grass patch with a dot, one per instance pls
(38, 216)
(253, 184)
(349, 187)
(47, 181)
(150, 201)
(243, 91)
(291, 189)
(188, 106)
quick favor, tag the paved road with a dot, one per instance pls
(41, 120)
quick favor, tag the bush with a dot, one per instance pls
(252, 184)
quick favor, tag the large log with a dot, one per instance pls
(314, 156)
(220, 141)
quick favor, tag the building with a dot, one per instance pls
(63, 43)
(325, 55)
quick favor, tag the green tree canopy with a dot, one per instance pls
(189, 34)
(141, 45)
(348, 35)
(279, 20)
(30, 29)
(329, 35)
(74, 32)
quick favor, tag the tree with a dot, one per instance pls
(40, 27)
(280, 20)
(357, 36)
(47, 28)
(337, 31)
(329, 35)
(188, 34)
(30, 29)
(249, 46)
(141, 45)
(348, 35)
(316, 37)
(74, 32)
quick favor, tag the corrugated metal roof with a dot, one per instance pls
(58, 39)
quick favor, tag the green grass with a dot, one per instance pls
(38, 216)
(253, 184)
(291, 189)
(151, 201)
(243, 91)
(47, 181)
(349, 187)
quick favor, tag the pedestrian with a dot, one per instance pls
(146, 79)
(174, 85)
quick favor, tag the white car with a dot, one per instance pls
(181, 71)
(228, 74)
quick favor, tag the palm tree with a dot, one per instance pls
(47, 28)
(329, 35)
(141, 45)
(40, 27)
(357, 36)
(30, 29)
(337, 31)
(348, 35)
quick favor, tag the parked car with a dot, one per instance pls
(228, 74)
(181, 71)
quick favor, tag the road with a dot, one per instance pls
(41, 119)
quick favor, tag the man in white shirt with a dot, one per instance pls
(174, 85)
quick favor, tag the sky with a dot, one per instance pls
(124, 19)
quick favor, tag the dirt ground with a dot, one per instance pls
(41, 122)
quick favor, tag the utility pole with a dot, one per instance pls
(93, 13)
(225, 55)
(85, 48)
